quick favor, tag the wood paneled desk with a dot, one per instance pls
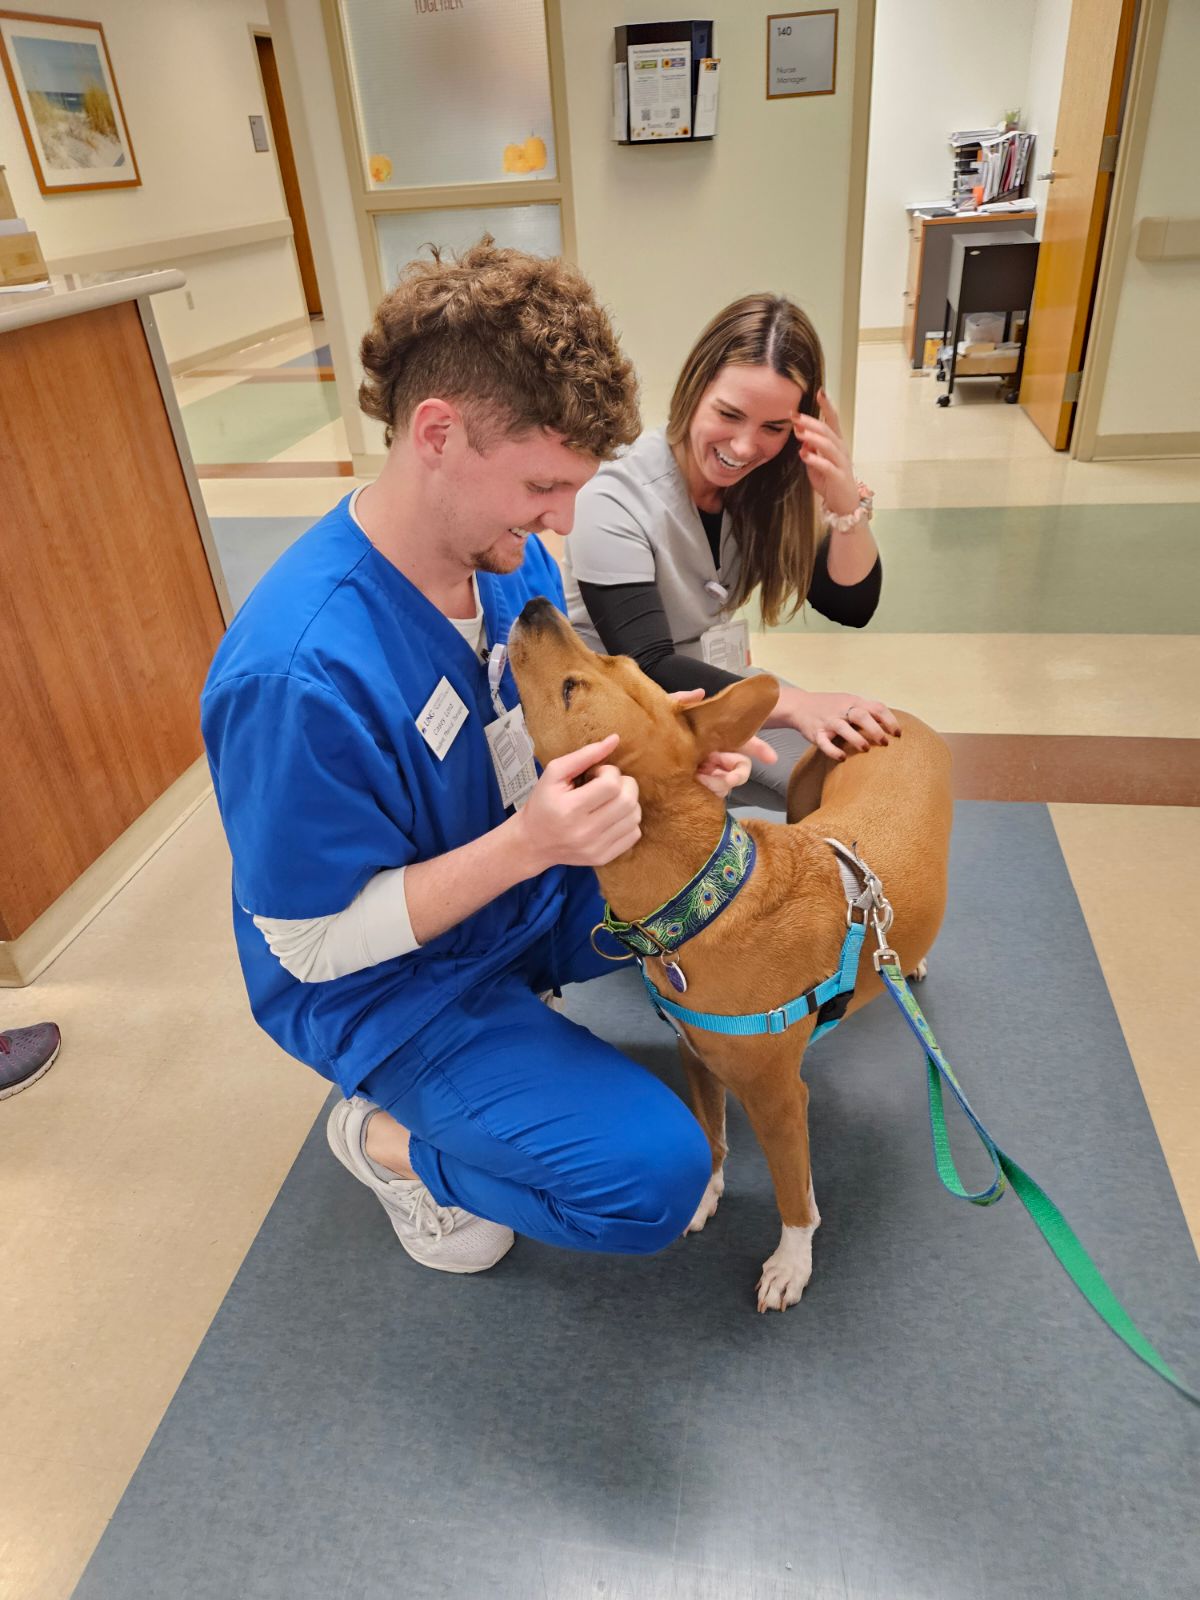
(930, 240)
(111, 605)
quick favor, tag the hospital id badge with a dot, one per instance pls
(440, 718)
(512, 757)
(727, 645)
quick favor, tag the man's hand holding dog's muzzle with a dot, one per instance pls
(571, 824)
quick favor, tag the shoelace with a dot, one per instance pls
(426, 1214)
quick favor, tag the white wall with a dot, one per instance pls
(1153, 381)
(939, 65)
(188, 79)
(1047, 61)
(670, 234)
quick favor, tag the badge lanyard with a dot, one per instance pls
(510, 745)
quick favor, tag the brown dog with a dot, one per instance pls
(783, 932)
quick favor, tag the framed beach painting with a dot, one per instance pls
(66, 97)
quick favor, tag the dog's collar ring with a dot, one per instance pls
(626, 955)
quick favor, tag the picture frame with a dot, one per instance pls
(63, 86)
(801, 50)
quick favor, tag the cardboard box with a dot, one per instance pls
(21, 259)
(989, 364)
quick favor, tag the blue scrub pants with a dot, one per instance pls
(519, 1115)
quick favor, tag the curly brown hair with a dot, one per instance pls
(516, 341)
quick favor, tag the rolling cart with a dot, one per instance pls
(988, 272)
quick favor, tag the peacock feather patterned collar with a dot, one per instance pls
(694, 907)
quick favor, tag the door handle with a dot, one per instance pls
(1046, 177)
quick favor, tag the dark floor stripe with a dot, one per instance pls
(275, 469)
(276, 375)
(1076, 769)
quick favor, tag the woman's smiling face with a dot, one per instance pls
(744, 419)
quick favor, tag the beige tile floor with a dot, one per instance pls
(135, 1174)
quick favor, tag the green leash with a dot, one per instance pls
(1047, 1218)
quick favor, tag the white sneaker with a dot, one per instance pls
(443, 1237)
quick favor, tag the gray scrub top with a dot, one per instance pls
(635, 522)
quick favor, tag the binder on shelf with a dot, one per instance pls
(990, 160)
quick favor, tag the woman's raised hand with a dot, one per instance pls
(825, 456)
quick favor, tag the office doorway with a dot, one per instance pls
(1076, 173)
(1063, 70)
(286, 161)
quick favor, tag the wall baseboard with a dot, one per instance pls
(22, 959)
(1145, 446)
(203, 357)
(880, 335)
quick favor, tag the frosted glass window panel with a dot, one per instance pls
(403, 235)
(451, 93)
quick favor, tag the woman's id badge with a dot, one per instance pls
(727, 644)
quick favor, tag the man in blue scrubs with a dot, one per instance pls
(405, 884)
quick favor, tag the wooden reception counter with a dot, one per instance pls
(111, 605)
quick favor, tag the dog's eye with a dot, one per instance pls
(568, 689)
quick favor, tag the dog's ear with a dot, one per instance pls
(727, 720)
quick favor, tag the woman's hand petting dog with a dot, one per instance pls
(726, 770)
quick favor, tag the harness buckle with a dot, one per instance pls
(783, 1024)
(835, 1009)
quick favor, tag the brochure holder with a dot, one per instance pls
(664, 78)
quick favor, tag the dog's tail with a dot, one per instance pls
(806, 783)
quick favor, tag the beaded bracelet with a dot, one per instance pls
(863, 512)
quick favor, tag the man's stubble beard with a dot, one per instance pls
(489, 561)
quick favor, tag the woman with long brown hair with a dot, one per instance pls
(681, 530)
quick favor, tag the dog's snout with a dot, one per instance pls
(538, 613)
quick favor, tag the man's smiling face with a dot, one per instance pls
(492, 499)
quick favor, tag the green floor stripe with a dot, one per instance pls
(255, 421)
(1036, 569)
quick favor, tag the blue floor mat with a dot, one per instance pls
(942, 1417)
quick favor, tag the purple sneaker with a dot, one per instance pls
(25, 1054)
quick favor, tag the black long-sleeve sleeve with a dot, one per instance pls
(851, 604)
(630, 620)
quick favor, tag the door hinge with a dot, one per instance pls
(1108, 153)
(1071, 389)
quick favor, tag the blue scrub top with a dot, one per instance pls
(322, 779)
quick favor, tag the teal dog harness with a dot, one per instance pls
(716, 885)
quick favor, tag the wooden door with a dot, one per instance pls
(287, 171)
(1081, 159)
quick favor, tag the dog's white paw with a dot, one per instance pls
(785, 1275)
(708, 1202)
(920, 972)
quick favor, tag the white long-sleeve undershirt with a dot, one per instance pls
(375, 926)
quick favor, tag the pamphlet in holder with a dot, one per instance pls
(665, 80)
